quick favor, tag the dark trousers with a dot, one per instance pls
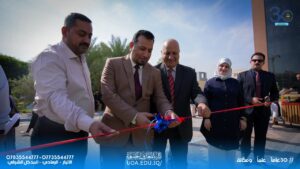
(32, 122)
(178, 147)
(47, 131)
(7, 143)
(259, 119)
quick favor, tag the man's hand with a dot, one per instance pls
(172, 116)
(207, 124)
(243, 124)
(98, 128)
(267, 102)
(203, 110)
(257, 100)
(143, 118)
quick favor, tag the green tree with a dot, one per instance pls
(97, 55)
(13, 68)
(118, 47)
(23, 91)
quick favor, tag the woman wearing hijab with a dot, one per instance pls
(222, 130)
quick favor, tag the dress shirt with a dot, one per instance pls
(63, 88)
(173, 72)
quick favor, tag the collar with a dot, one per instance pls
(70, 53)
(133, 63)
(167, 69)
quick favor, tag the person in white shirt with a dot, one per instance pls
(274, 111)
(64, 98)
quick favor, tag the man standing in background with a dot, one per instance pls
(259, 86)
(180, 87)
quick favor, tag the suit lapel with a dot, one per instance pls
(262, 81)
(129, 73)
(251, 81)
(165, 81)
(145, 78)
(178, 79)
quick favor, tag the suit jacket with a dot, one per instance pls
(186, 90)
(268, 87)
(118, 92)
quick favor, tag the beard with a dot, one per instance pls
(141, 62)
(83, 47)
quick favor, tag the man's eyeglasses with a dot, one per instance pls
(257, 60)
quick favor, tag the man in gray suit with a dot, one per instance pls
(127, 84)
(180, 86)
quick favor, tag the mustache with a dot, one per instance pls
(84, 44)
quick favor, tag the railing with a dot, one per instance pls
(290, 106)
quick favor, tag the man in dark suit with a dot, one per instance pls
(181, 87)
(127, 84)
(259, 86)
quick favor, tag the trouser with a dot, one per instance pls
(47, 131)
(178, 148)
(7, 143)
(32, 122)
(259, 119)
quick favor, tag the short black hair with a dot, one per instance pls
(259, 54)
(145, 33)
(72, 17)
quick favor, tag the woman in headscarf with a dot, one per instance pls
(222, 130)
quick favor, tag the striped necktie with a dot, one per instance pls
(171, 84)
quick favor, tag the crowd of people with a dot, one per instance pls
(132, 90)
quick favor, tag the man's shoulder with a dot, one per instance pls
(115, 62)
(245, 72)
(116, 59)
(267, 73)
(49, 54)
(185, 68)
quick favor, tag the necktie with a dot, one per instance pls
(258, 85)
(171, 84)
(137, 84)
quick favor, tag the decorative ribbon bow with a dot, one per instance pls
(162, 123)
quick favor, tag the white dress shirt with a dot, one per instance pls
(63, 88)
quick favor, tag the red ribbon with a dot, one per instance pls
(56, 143)
(180, 119)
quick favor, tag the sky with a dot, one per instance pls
(205, 29)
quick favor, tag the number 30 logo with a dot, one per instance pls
(278, 16)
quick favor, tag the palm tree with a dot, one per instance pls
(98, 53)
